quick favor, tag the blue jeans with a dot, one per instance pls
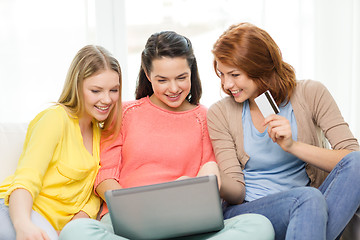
(309, 213)
(247, 226)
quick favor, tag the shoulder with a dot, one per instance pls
(311, 94)
(227, 103)
(128, 106)
(202, 109)
(52, 115)
(308, 88)
(50, 121)
(199, 111)
(225, 107)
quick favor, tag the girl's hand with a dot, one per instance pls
(80, 214)
(279, 131)
(20, 204)
(182, 178)
(29, 231)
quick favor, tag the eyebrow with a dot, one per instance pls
(230, 72)
(96, 86)
(183, 74)
(159, 76)
(180, 75)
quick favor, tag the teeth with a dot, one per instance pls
(235, 92)
(103, 108)
(173, 96)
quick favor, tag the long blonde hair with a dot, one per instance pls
(88, 61)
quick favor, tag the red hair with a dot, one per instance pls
(252, 50)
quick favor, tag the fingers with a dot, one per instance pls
(45, 236)
(279, 132)
(278, 127)
(270, 118)
(182, 178)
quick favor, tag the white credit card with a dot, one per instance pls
(266, 104)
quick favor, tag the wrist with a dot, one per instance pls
(292, 148)
(21, 223)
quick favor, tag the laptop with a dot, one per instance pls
(166, 210)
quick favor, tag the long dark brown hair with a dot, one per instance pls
(168, 44)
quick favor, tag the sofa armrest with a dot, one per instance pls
(352, 230)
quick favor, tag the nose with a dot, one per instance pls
(227, 82)
(173, 87)
(106, 99)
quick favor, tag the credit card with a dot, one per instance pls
(266, 104)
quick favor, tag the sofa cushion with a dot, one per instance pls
(12, 136)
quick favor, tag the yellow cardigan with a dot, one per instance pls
(56, 168)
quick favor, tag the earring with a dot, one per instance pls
(189, 97)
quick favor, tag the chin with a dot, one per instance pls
(239, 100)
(174, 105)
(101, 119)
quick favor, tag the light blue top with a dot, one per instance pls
(270, 169)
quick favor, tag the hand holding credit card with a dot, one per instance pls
(266, 104)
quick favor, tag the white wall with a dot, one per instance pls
(39, 38)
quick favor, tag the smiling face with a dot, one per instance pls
(101, 93)
(237, 83)
(171, 82)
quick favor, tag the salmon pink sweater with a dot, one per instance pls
(156, 145)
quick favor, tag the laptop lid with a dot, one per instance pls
(166, 210)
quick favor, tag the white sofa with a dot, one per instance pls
(12, 136)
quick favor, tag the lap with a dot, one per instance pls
(275, 205)
(247, 226)
(7, 229)
(306, 205)
(90, 229)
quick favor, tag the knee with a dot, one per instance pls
(313, 199)
(350, 166)
(263, 225)
(312, 194)
(258, 225)
(353, 160)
